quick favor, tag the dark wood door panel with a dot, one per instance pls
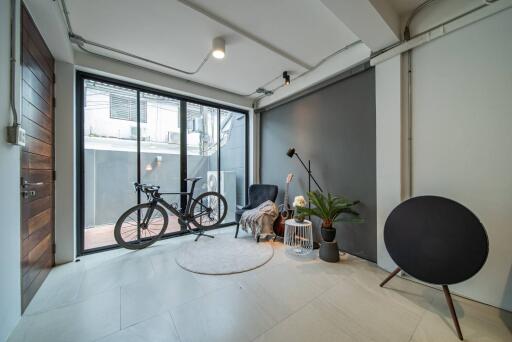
(37, 146)
(28, 293)
(37, 160)
(32, 42)
(43, 246)
(29, 62)
(32, 240)
(33, 97)
(35, 131)
(34, 82)
(32, 113)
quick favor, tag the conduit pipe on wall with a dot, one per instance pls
(480, 12)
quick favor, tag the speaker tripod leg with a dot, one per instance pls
(449, 300)
(391, 275)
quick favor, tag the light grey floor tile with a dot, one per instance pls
(229, 314)
(382, 317)
(159, 328)
(312, 323)
(52, 294)
(84, 321)
(144, 299)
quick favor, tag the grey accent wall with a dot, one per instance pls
(335, 128)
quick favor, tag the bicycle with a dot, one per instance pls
(144, 224)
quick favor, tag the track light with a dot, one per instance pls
(218, 48)
(286, 78)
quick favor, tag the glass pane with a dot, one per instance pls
(110, 159)
(202, 149)
(160, 148)
(232, 160)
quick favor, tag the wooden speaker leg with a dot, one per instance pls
(452, 311)
(391, 275)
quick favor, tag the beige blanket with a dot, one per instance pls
(260, 220)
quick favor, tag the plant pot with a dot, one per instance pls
(328, 234)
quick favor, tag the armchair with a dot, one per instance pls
(258, 193)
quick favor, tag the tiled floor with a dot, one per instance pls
(130, 296)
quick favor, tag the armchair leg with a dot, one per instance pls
(237, 227)
(258, 238)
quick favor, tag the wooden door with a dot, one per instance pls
(37, 160)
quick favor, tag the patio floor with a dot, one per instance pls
(103, 235)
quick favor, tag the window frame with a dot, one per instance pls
(81, 76)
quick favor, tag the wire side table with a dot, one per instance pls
(299, 236)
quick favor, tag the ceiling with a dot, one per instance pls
(172, 33)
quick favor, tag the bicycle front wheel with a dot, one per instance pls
(208, 210)
(141, 226)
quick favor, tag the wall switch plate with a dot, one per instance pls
(16, 135)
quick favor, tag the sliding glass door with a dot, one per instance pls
(129, 133)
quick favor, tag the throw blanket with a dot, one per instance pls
(260, 220)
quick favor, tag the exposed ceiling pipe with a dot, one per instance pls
(246, 34)
(435, 32)
(322, 61)
(81, 42)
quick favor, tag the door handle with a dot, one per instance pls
(28, 194)
(25, 183)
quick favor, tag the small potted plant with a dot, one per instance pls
(330, 209)
(299, 202)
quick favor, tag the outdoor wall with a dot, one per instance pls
(461, 116)
(335, 128)
(10, 288)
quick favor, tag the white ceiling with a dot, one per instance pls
(171, 33)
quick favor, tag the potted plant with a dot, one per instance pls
(330, 209)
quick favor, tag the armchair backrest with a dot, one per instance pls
(259, 193)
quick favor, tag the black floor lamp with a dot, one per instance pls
(291, 152)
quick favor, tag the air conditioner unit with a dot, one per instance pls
(227, 189)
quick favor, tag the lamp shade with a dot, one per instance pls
(291, 152)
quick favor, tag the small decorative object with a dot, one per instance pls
(299, 201)
(329, 209)
(299, 236)
(299, 218)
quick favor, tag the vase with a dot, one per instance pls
(328, 234)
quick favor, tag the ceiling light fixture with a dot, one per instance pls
(219, 48)
(286, 78)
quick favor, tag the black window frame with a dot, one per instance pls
(81, 76)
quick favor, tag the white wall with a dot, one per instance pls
(388, 101)
(462, 138)
(65, 187)
(462, 120)
(10, 303)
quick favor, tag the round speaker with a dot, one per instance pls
(436, 240)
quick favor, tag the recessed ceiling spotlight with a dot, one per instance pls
(286, 78)
(219, 48)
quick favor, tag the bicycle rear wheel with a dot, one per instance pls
(134, 230)
(208, 210)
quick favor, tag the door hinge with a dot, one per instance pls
(54, 248)
(54, 78)
(54, 175)
(54, 102)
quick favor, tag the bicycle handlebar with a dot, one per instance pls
(146, 188)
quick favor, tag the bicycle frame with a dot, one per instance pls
(184, 216)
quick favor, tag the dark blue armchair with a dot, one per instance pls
(258, 193)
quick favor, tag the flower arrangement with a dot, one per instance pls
(299, 202)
